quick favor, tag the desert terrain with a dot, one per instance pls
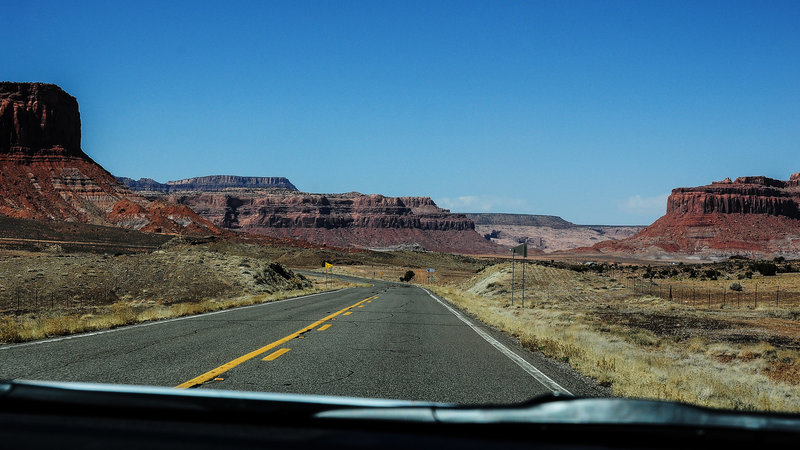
(635, 315)
(545, 233)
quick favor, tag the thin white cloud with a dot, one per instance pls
(482, 203)
(645, 205)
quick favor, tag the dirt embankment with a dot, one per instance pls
(44, 294)
(175, 273)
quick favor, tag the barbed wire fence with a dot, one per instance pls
(711, 296)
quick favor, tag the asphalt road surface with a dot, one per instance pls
(384, 341)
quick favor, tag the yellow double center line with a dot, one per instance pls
(211, 374)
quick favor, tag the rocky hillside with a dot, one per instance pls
(752, 216)
(180, 271)
(545, 233)
(46, 175)
(208, 184)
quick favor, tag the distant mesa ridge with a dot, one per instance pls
(275, 208)
(209, 184)
(531, 220)
(545, 233)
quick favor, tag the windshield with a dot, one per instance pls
(458, 202)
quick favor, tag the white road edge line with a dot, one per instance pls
(157, 322)
(525, 365)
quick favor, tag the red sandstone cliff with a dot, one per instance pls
(44, 174)
(349, 220)
(342, 220)
(756, 216)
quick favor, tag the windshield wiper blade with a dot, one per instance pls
(95, 396)
(547, 410)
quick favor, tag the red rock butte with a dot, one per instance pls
(44, 173)
(754, 216)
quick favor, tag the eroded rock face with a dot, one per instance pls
(341, 211)
(342, 220)
(754, 215)
(38, 119)
(350, 220)
(735, 198)
(46, 175)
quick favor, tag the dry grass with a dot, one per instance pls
(20, 329)
(695, 282)
(786, 281)
(632, 343)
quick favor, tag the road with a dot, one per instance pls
(384, 341)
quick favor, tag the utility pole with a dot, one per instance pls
(512, 277)
(523, 281)
(521, 249)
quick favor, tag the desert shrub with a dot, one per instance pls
(711, 274)
(779, 259)
(735, 287)
(748, 274)
(407, 276)
(767, 269)
(599, 268)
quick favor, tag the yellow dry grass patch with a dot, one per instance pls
(20, 329)
(561, 320)
(766, 285)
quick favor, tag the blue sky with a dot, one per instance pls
(592, 111)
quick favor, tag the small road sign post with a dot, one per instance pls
(521, 249)
(430, 275)
(327, 266)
